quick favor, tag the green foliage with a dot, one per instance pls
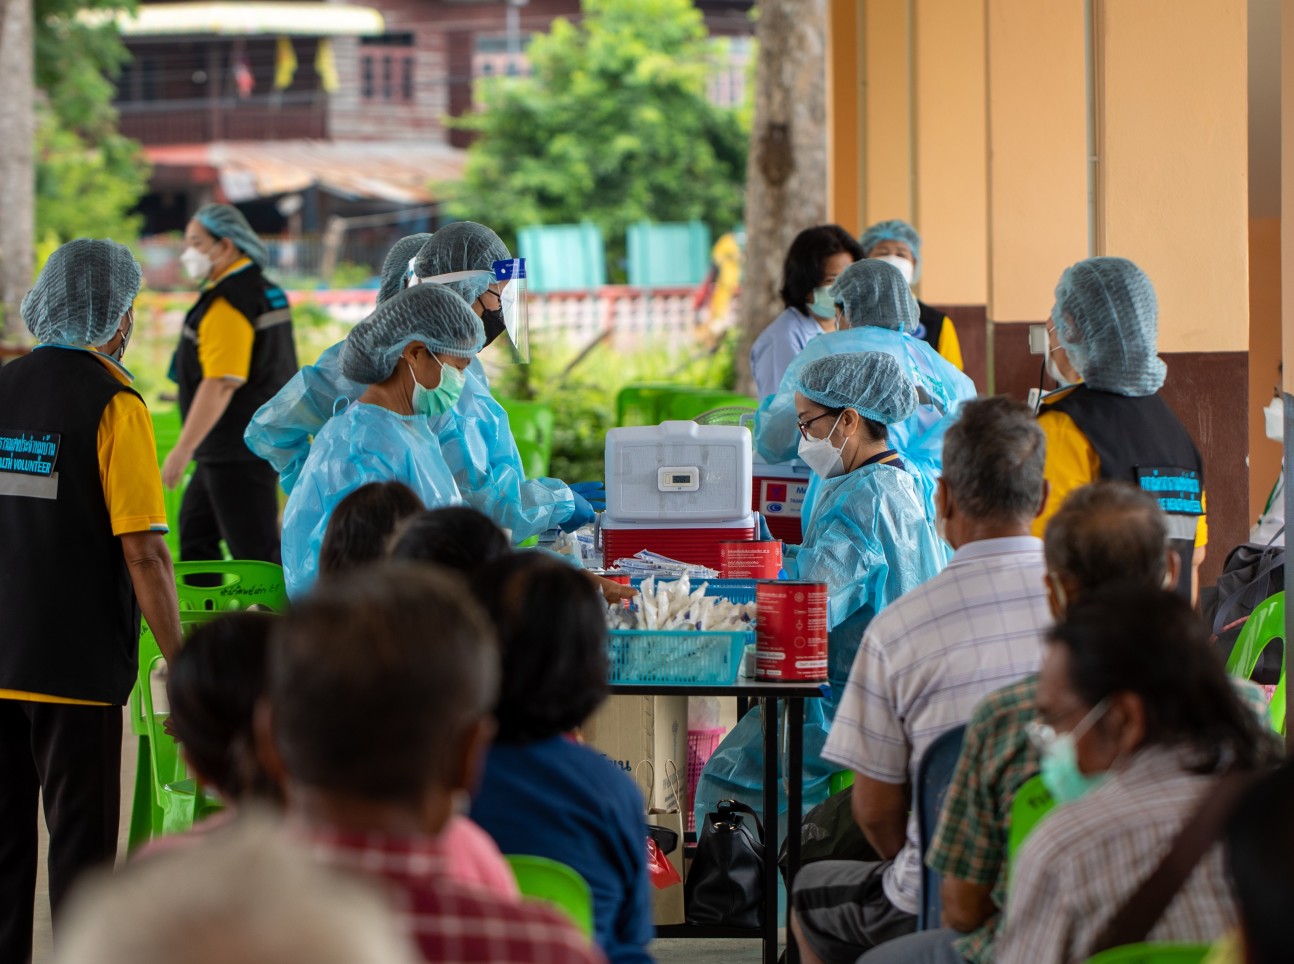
(583, 399)
(348, 274)
(88, 177)
(613, 126)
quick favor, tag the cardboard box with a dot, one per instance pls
(630, 729)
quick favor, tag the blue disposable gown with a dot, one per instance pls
(365, 443)
(919, 439)
(870, 541)
(475, 439)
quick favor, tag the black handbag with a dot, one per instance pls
(725, 885)
(1252, 573)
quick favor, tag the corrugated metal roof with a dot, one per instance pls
(306, 19)
(402, 172)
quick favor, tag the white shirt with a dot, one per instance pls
(927, 659)
(777, 345)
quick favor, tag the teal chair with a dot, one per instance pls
(532, 425)
(1265, 623)
(1153, 954)
(550, 882)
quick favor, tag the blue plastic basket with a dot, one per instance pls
(675, 656)
(737, 591)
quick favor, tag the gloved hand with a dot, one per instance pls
(594, 492)
(582, 516)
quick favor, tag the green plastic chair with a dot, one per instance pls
(165, 799)
(840, 780)
(166, 432)
(1032, 802)
(541, 879)
(1153, 954)
(532, 425)
(1265, 623)
(244, 583)
(643, 404)
(685, 406)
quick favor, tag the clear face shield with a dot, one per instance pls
(504, 302)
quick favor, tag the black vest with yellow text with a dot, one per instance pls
(1139, 440)
(71, 624)
(274, 358)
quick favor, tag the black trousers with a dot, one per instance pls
(234, 501)
(71, 755)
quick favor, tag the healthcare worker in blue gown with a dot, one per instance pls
(475, 437)
(410, 354)
(876, 312)
(869, 540)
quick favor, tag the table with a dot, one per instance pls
(768, 694)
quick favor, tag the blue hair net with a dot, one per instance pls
(365, 443)
(871, 382)
(82, 292)
(873, 293)
(1107, 317)
(396, 265)
(226, 221)
(427, 313)
(462, 246)
(894, 230)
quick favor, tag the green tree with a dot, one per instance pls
(88, 177)
(612, 126)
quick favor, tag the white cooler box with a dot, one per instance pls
(679, 489)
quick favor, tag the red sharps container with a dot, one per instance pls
(791, 638)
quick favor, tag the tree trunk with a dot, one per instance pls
(17, 161)
(786, 177)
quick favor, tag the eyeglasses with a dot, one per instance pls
(804, 426)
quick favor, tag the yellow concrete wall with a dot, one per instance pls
(845, 110)
(1172, 138)
(1264, 352)
(1037, 193)
(951, 171)
(887, 111)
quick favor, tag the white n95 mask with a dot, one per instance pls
(820, 455)
(196, 264)
(906, 268)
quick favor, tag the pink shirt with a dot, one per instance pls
(473, 858)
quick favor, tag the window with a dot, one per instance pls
(386, 68)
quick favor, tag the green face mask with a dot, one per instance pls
(438, 400)
(823, 306)
(1060, 772)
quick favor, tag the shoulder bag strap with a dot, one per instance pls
(1136, 918)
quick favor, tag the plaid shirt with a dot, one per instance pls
(451, 922)
(970, 842)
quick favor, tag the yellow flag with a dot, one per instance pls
(326, 66)
(285, 64)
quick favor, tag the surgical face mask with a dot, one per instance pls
(820, 455)
(1274, 420)
(1053, 370)
(196, 264)
(823, 307)
(1060, 771)
(120, 353)
(439, 400)
(906, 267)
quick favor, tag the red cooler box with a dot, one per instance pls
(679, 489)
(777, 493)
